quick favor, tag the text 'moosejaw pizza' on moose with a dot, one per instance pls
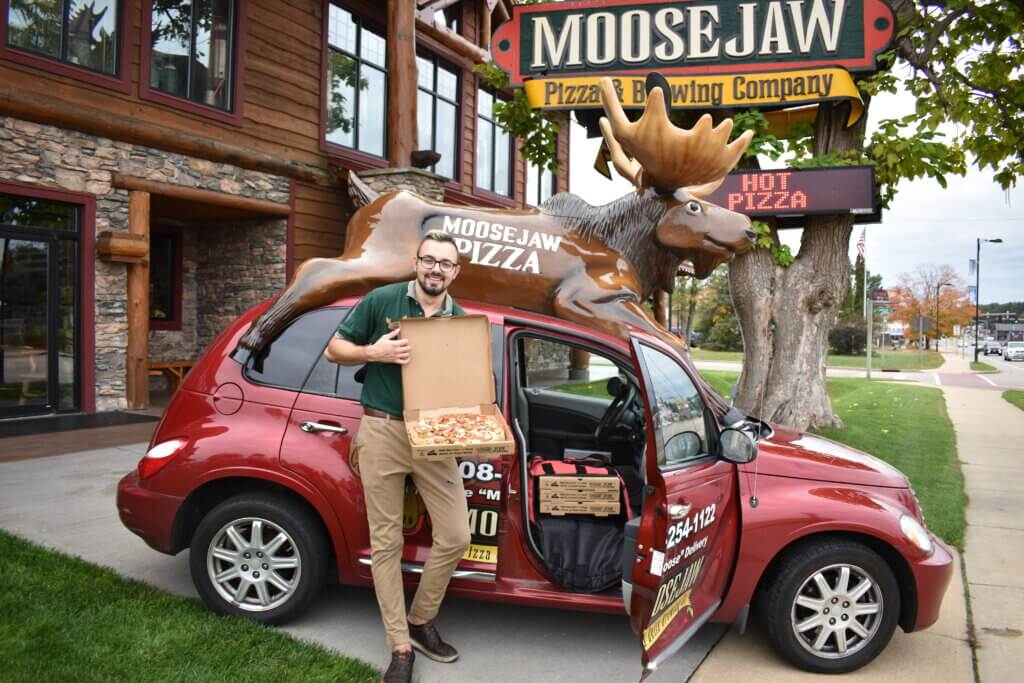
(586, 264)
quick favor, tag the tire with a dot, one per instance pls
(282, 581)
(817, 645)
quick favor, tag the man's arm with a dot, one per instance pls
(387, 349)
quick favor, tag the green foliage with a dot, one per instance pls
(536, 130)
(847, 340)
(763, 142)
(769, 239)
(715, 318)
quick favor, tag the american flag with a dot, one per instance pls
(860, 243)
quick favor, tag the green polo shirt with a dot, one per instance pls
(368, 322)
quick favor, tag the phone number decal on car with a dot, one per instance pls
(695, 523)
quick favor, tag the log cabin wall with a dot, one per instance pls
(71, 129)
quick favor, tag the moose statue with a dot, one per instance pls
(590, 265)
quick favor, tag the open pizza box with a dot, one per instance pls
(450, 372)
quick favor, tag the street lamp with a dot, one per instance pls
(977, 294)
(937, 288)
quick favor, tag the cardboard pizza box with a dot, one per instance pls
(583, 495)
(450, 372)
(594, 508)
(579, 482)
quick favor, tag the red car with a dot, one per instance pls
(251, 469)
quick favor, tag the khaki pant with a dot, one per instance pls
(385, 459)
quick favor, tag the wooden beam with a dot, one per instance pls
(485, 27)
(401, 49)
(502, 11)
(56, 112)
(453, 41)
(192, 194)
(137, 360)
(123, 247)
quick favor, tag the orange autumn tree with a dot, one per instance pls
(915, 296)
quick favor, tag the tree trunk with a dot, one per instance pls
(786, 313)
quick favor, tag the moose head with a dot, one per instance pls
(679, 168)
(591, 265)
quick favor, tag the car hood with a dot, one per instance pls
(789, 453)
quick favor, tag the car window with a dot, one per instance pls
(332, 379)
(288, 359)
(562, 368)
(678, 410)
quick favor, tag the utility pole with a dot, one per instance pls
(977, 293)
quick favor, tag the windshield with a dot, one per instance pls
(1015, 345)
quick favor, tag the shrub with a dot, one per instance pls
(847, 340)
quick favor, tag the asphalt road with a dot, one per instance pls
(67, 503)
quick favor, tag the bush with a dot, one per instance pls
(847, 340)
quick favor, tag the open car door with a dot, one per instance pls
(684, 543)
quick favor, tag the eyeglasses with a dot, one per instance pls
(429, 262)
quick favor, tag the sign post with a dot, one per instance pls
(879, 299)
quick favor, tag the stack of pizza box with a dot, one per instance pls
(449, 372)
(594, 495)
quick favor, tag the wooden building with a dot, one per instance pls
(166, 164)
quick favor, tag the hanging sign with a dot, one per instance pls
(786, 192)
(714, 53)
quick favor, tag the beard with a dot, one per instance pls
(431, 289)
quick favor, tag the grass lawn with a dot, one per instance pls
(908, 427)
(887, 360)
(1015, 397)
(982, 367)
(62, 619)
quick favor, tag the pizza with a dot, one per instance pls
(461, 429)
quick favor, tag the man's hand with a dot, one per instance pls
(387, 349)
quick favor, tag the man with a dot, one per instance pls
(385, 457)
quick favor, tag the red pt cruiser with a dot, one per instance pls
(251, 469)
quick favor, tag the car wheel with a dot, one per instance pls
(830, 607)
(258, 556)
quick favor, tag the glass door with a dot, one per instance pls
(38, 307)
(24, 325)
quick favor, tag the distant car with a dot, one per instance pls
(992, 347)
(1014, 351)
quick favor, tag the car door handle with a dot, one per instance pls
(678, 511)
(319, 427)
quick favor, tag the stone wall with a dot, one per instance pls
(57, 158)
(238, 265)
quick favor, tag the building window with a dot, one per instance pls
(540, 184)
(493, 148)
(437, 111)
(165, 280)
(357, 92)
(191, 51)
(84, 34)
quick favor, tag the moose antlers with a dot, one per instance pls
(666, 157)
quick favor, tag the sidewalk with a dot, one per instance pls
(989, 433)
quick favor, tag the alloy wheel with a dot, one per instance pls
(837, 611)
(254, 564)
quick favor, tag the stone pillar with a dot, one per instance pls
(424, 183)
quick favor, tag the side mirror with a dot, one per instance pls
(737, 446)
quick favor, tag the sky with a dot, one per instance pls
(925, 225)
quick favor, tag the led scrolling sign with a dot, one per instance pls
(788, 193)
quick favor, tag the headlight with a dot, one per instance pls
(916, 533)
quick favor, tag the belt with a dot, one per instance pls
(373, 412)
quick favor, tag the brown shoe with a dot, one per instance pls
(400, 670)
(427, 640)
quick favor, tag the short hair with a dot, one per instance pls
(439, 236)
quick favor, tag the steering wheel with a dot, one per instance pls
(625, 393)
